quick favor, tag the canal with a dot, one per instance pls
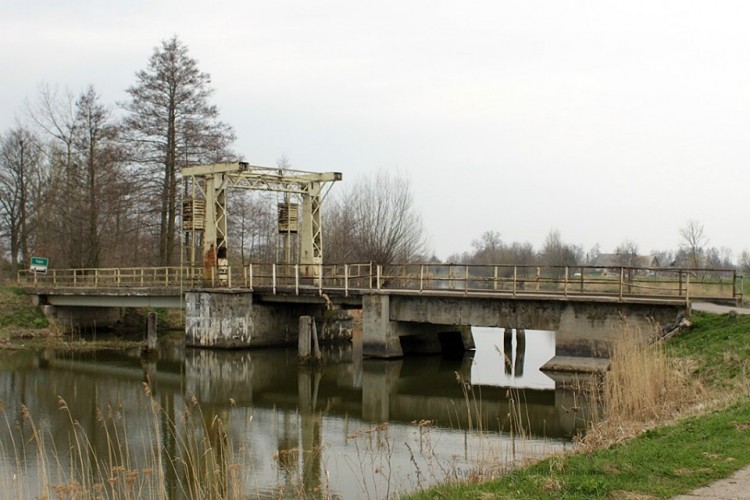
(199, 423)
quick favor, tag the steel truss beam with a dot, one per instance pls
(219, 177)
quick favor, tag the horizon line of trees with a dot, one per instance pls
(692, 252)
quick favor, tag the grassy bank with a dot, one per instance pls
(18, 317)
(711, 363)
(22, 325)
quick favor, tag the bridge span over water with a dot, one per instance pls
(404, 308)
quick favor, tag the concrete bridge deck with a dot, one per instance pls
(584, 283)
(423, 303)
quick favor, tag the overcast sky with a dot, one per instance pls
(604, 120)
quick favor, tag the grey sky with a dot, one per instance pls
(605, 120)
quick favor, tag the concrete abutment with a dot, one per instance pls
(237, 319)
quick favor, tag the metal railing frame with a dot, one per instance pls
(620, 282)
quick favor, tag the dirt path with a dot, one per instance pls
(717, 309)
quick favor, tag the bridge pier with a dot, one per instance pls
(223, 318)
(383, 337)
(583, 329)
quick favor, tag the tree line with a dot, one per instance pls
(90, 185)
(693, 252)
(87, 185)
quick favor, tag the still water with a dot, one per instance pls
(285, 430)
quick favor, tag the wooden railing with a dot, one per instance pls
(566, 281)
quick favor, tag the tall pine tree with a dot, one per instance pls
(171, 124)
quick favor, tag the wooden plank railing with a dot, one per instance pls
(566, 281)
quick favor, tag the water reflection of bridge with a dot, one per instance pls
(290, 409)
(402, 390)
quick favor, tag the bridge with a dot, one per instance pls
(404, 308)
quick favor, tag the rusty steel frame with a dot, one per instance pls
(212, 182)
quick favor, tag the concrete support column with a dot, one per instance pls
(232, 319)
(379, 333)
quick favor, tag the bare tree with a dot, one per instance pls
(100, 156)
(557, 253)
(88, 199)
(745, 261)
(375, 220)
(592, 256)
(253, 225)
(21, 175)
(488, 249)
(693, 242)
(664, 258)
(171, 124)
(627, 254)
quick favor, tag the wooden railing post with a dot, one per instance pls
(421, 277)
(494, 281)
(346, 280)
(466, 279)
(515, 280)
(379, 271)
(250, 272)
(622, 279)
(565, 287)
(296, 279)
(273, 278)
(582, 286)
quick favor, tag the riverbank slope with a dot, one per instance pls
(708, 440)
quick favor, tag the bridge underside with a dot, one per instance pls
(394, 323)
(583, 329)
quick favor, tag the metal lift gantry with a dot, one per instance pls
(205, 206)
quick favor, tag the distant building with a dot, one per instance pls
(608, 261)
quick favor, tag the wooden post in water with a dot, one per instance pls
(150, 345)
(304, 343)
(308, 348)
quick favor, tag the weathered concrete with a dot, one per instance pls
(583, 328)
(385, 338)
(233, 319)
(82, 319)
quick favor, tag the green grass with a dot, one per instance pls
(717, 347)
(662, 462)
(17, 312)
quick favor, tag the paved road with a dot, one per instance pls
(735, 486)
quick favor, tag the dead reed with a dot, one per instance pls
(187, 456)
(644, 386)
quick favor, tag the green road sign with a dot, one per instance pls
(39, 264)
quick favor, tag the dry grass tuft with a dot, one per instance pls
(645, 386)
